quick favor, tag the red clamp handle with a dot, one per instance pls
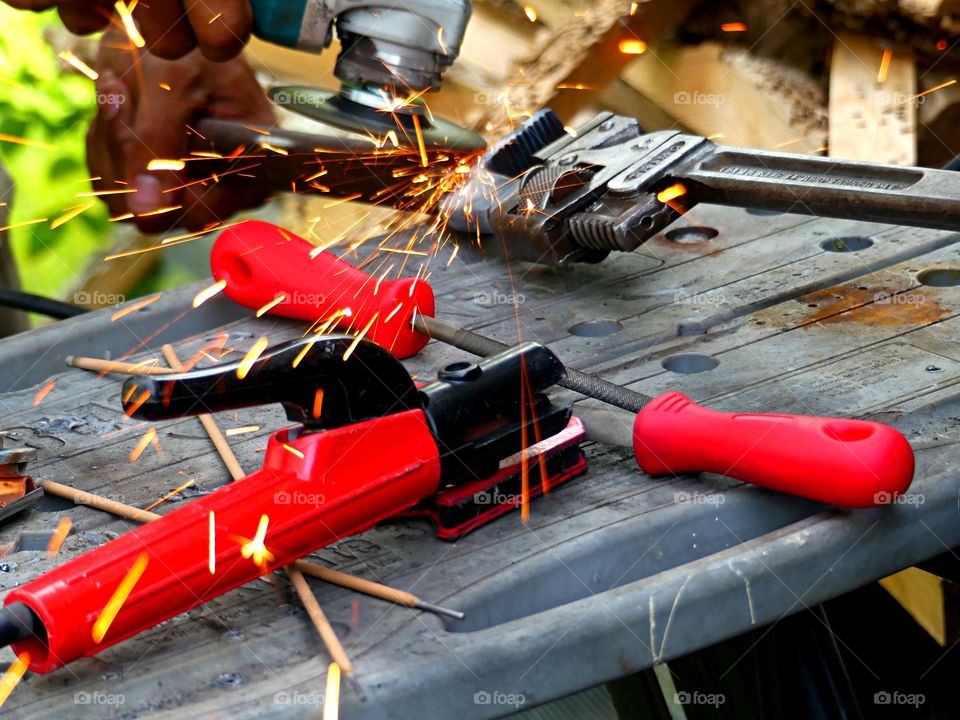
(311, 493)
(266, 266)
(849, 463)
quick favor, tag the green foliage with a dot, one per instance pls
(43, 101)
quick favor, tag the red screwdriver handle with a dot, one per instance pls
(849, 463)
(313, 489)
(262, 264)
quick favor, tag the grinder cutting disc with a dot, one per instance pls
(334, 109)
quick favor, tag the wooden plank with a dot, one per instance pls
(717, 91)
(575, 63)
(873, 112)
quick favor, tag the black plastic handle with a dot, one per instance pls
(369, 383)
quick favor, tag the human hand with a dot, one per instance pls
(138, 121)
(171, 28)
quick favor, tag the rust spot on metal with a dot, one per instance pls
(873, 306)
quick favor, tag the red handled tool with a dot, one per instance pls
(849, 463)
(370, 445)
(262, 264)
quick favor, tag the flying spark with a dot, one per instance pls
(129, 24)
(671, 193)
(158, 164)
(212, 549)
(633, 47)
(169, 495)
(43, 392)
(207, 293)
(271, 305)
(13, 675)
(120, 595)
(256, 548)
(292, 450)
(734, 27)
(78, 64)
(142, 443)
(59, 535)
(241, 430)
(251, 357)
(530, 13)
(139, 305)
(884, 70)
(331, 699)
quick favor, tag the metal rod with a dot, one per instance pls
(581, 382)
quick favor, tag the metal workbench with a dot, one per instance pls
(615, 571)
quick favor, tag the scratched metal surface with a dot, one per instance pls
(614, 571)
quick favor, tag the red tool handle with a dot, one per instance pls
(262, 263)
(849, 463)
(314, 489)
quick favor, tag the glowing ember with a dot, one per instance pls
(157, 164)
(129, 24)
(78, 64)
(256, 549)
(530, 13)
(734, 27)
(633, 47)
(142, 443)
(331, 699)
(671, 193)
(120, 595)
(208, 293)
(251, 357)
(43, 392)
(13, 675)
(59, 535)
(318, 403)
(884, 70)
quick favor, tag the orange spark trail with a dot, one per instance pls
(133, 308)
(23, 224)
(43, 392)
(251, 357)
(142, 443)
(318, 403)
(169, 495)
(358, 338)
(271, 305)
(78, 64)
(423, 150)
(135, 405)
(133, 32)
(208, 293)
(71, 213)
(59, 535)
(884, 70)
(734, 27)
(13, 675)
(671, 193)
(24, 141)
(120, 595)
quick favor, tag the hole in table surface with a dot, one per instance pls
(692, 234)
(596, 328)
(851, 243)
(939, 277)
(689, 363)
